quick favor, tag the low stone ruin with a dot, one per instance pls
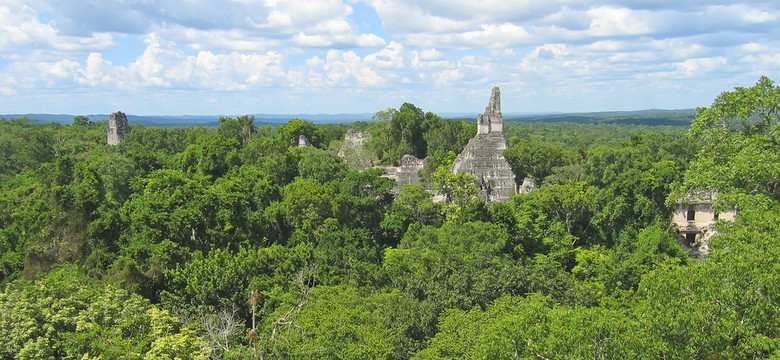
(694, 221)
(406, 174)
(303, 141)
(483, 157)
(118, 128)
(353, 152)
(528, 185)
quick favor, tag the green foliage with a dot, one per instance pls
(414, 205)
(445, 139)
(361, 199)
(574, 136)
(307, 204)
(274, 157)
(320, 165)
(24, 218)
(410, 130)
(223, 278)
(726, 305)
(533, 327)
(405, 132)
(555, 218)
(25, 145)
(66, 315)
(459, 193)
(458, 265)
(289, 132)
(335, 323)
(173, 345)
(240, 129)
(100, 245)
(741, 131)
(81, 120)
(536, 160)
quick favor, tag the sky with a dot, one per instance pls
(208, 57)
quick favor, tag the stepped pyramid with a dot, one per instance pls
(483, 157)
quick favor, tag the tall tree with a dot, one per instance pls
(741, 131)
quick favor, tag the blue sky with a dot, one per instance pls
(174, 57)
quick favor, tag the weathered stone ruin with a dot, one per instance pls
(303, 141)
(406, 174)
(118, 128)
(528, 185)
(483, 157)
(694, 221)
(353, 152)
(354, 138)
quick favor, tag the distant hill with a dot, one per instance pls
(651, 117)
(196, 120)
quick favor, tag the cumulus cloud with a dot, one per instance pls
(391, 57)
(163, 64)
(610, 21)
(204, 24)
(550, 50)
(346, 67)
(21, 28)
(692, 67)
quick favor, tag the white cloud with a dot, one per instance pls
(159, 55)
(677, 48)
(753, 15)
(21, 29)
(443, 49)
(392, 56)
(163, 64)
(693, 67)
(346, 67)
(97, 71)
(444, 78)
(610, 21)
(755, 47)
(431, 54)
(199, 24)
(346, 39)
(314, 61)
(429, 59)
(223, 40)
(65, 68)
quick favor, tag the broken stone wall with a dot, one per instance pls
(118, 128)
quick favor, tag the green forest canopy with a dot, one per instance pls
(233, 243)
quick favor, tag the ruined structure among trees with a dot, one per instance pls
(118, 128)
(406, 174)
(303, 141)
(354, 153)
(694, 221)
(529, 184)
(483, 157)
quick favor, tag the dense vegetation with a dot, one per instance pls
(233, 243)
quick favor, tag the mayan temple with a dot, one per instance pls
(117, 128)
(483, 157)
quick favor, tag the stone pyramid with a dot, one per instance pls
(483, 157)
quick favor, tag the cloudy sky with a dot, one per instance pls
(156, 57)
